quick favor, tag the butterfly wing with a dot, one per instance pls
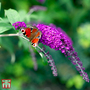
(36, 36)
(28, 32)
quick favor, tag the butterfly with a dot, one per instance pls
(32, 33)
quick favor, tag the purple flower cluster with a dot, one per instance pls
(61, 31)
(53, 38)
(19, 24)
(57, 39)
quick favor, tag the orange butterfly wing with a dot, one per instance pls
(36, 39)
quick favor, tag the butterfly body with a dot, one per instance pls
(33, 34)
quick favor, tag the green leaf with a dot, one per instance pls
(22, 14)
(12, 15)
(4, 20)
(7, 44)
(4, 27)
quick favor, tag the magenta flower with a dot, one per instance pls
(54, 38)
(61, 31)
(57, 39)
(19, 24)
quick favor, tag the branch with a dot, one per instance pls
(5, 35)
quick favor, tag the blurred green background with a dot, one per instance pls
(73, 16)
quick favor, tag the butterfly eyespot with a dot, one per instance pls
(38, 37)
(34, 44)
(22, 30)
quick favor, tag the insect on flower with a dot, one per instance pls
(32, 33)
(56, 39)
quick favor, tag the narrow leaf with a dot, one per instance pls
(12, 15)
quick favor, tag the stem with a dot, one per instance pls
(43, 51)
(21, 35)
(5, 35)
(24, 38)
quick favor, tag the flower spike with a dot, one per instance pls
(57, 39)
(50, 60)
